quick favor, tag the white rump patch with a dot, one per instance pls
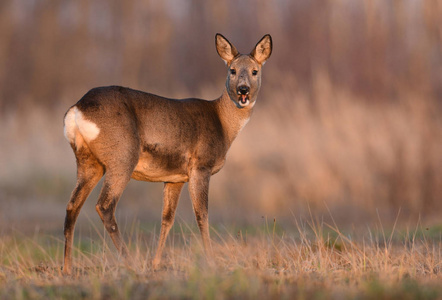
(88, 129)
(74, 121)
(69, 125)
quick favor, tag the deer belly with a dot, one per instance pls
(161, 168)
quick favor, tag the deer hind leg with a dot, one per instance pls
(117, 148)
(171, 196)
(199, 190)
(89, 172)
(106, 205)
(118, 174)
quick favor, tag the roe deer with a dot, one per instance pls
(132, 134)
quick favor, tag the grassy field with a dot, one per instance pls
(313, 260)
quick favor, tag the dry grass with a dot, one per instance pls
(315, 261)
(348, 114)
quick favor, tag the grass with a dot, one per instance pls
(315, 261)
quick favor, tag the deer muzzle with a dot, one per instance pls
(243, 93)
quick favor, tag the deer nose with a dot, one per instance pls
(243, 90)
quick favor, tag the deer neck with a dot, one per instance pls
(232, 118)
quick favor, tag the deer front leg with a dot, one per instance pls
(199, 191)
(170, 201)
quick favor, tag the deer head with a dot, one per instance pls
(244, 74)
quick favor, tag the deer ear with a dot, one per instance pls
(225, 49)
(263, 49)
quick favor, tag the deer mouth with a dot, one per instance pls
(243, 99)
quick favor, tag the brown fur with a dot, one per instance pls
(151, 138)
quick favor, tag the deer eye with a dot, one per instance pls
(233, 71)
(254, 72)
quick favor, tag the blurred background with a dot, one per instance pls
(348, 121)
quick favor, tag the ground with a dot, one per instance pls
(311, 261)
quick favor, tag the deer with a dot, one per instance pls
(122, 134)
